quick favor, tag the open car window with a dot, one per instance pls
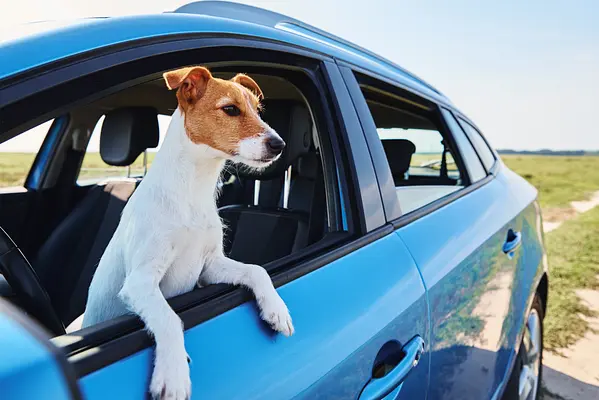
(298, 206)
(420, 152)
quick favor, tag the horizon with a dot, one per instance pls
(526, 74)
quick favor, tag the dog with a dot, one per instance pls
(170, 236)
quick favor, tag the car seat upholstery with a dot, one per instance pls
(68, 259)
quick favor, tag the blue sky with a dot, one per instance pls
(527, 72)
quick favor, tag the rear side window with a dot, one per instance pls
(473, 164)
(94, 169)
(421, 155)
(481, 146)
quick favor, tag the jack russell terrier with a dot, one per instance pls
(170, 234)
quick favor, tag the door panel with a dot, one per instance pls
(458, 249)
(343, 314)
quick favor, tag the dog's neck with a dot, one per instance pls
(186, 169)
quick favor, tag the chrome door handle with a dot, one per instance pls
(512, 243)
(378, 388)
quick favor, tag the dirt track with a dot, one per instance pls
(573, 373)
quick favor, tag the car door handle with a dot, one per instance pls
(378, 388)
(513, 241)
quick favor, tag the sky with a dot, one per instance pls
(526, 72)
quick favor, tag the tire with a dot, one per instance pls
(512, 391)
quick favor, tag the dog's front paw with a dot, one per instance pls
(276, 314)
(170, 379)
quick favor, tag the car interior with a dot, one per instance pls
(267, 214)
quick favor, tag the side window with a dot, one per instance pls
(420, 154)
(473, 164)
(18, 155)
(94, 169)
(486, 155)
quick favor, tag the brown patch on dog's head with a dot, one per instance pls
(222, 113)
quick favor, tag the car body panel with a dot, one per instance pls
(48, 43)
(28, 367)
(343, 314)
(478, 295)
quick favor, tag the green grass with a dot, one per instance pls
(14, 168)
(559, 179)
(573, 256)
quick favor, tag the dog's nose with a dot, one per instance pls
(275, 144)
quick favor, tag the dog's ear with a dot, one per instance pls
(248, 83)
(190, 81)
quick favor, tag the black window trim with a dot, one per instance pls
(462, 119)
(468, 138)
(119, 338)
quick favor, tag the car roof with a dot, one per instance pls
(37, 44)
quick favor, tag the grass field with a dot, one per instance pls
(559, 179)
(15, 166)
(572, 249)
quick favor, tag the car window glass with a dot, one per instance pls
(486, 155)
(18, 155)
(471, 159)
(94, 169)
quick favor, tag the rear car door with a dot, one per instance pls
(456, 218)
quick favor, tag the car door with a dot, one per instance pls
(456, 235)
(30, 366)
(358, 301)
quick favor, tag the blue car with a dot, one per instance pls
(411, 258)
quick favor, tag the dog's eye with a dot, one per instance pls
(232, 110)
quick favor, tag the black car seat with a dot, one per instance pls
(399, 154)
(265, 232)
(68, 259)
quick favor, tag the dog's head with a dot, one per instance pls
(224, 114)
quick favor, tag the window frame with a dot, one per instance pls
(462, 119)
(447, 114)
(95, 347)
(394, 216)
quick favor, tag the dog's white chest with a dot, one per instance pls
(196, 243)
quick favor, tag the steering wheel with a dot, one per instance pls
(24, 281)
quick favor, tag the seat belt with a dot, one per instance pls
(318, 207)
(444, 174)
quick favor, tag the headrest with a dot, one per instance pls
(126, 133)
(399, 154)
(292, 121)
